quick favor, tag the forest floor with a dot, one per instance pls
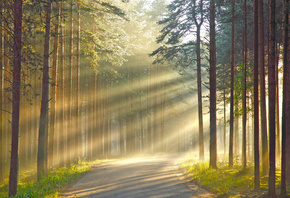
(154, 176)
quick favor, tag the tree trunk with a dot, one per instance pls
(225, 121)
(53, 90)
(278, 139)
(1, 95)
(44, 101)
(265, 158)
(200, 117)
(77, 82)
(231, 146)
(17, 46)
(61, 84)
(213, 147)
(244, 146)
(256, 99)
(272, 96)
(285, 160)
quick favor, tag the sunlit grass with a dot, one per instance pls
(230, 182)
(52, 185)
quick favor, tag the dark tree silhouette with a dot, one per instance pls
(17, 46)
(213, 147)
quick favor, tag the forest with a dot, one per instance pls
(103, 79)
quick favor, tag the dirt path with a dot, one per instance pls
(155, 176)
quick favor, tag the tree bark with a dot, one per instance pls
(244, 147)
(286, 103)
(256, 99)
(53, 89)
(17, 46)
(1, 95)
(272, 98)
(213, 147)
(231, 143)
(265, 153)
(44, 101)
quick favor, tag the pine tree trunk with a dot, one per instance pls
(200, 117)
(53, 92)
(1, 96)
(231, 143)
(285, 157)
(244, 146)
(16, 96)
(272, 96)
(256, 100)
(265, 157)
(61, 73)
(77, 83)
(213, 146)
(44, 101)
(278, 139)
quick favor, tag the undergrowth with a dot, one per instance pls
(50, 186)
(228, 182)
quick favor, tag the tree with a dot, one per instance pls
(213, 149)
(53, 96)
(17, 46)
(272, 98)
(256, 100)
(231, 157)
(199, 90)
(70, 83)
(265, 158)
(286, 102)
(45, 93)
(1, 100)
(244, 147)
(184, 18)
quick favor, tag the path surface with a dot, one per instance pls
(156, 176)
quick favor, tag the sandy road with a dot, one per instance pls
(155, 176)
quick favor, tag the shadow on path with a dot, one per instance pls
(154, 176)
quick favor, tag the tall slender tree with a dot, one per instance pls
(1, 96)
(45, 93)
(286, 101)
(256, 100)
(272, 98)
(198, 25)
(244, 146)
(213, 147)
(265, 157)
(17, 46)
(54, 87)
(231, 144)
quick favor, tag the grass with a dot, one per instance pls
(228, 182)
(50, 186)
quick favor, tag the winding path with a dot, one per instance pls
(154, 176)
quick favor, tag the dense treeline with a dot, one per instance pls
(78, 77)
(244, 52)
(88, 89)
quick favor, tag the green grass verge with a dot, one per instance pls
(228, 182)
(52, 185)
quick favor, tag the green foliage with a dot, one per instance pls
(232, 182)
(52, 185)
